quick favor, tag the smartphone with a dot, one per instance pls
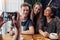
(8, 15)
(4, 15)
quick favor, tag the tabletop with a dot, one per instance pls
(25, 37)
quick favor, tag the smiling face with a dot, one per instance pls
(48, 12)
(37, 9)
(25, 11)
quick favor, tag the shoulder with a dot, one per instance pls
(30, 22)
(57, 20)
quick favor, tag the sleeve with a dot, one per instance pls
(31, 23)
(40, 24)
(58, 27)
(57, 20)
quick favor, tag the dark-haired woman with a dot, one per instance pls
(50, 24)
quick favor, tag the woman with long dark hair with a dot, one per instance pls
(50, 24)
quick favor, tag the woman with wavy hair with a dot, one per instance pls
(36, 14)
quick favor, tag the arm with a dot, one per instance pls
(57, 20)
(41, 32)
(30, 31)
(40, 25)
(17, 25)
(17, 35)
(45, 34)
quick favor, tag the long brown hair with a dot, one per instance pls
(39, 16)
(32, 12)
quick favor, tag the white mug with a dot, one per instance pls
(53, 36)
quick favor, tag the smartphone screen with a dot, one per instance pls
(5, 16)
(8, 15)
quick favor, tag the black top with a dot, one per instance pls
(35, 19)
(52, 27)
(26, 24)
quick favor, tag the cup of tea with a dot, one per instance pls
(53, 36)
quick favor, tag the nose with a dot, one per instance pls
(25, 11)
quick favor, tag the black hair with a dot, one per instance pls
(53, 16)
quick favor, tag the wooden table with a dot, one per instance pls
(26, 37)
(7, 37)
(39, 37)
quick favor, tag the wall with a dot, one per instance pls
(12, 5)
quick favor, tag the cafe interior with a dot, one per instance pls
(8, 10)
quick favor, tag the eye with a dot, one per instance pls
(27, 10)
(35, 8)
